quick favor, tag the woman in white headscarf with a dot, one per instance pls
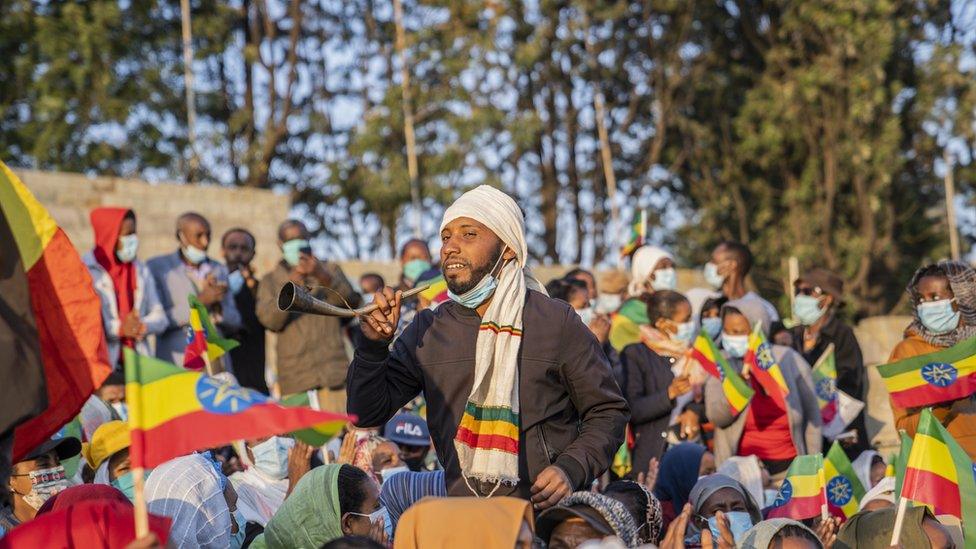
(190, 491)
(651, 270)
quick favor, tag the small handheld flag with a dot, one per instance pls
(844, 489)
(942, 376)
(737, 391)
(837, 408)
(203, 342)
(762, 364)
(638, 231)
(314, 435)
(802, 494)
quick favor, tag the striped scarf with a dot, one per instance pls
(487, 439)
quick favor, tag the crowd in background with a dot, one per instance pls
(697, 474)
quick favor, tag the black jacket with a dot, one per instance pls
(851, 376)
(648, 378)
(248, 358)
(571, 411)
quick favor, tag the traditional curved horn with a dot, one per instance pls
(296, 299)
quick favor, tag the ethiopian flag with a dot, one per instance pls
(173, 411)
(202, 338)
(844, 489)
(901, 460)
(922, 380)
(736, 390)
(763, 366)
(638, 229)
(318, 434)
(939, 474)
(801, 496)
(837, 408)
(626, 322)
(51, 337)
(437, 292)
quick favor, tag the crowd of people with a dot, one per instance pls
(494, 413)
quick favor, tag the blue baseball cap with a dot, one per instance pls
(407, 429)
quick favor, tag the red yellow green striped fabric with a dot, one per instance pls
(437, 291)
(489, 428)
(626, 322)
(495, 327)
(825, 384)
(844, 489)
(638, 228)
(801, 496)
(173, 411)
(901, 460)
(763, 365)
(737, 392)
(940, 475)
(203, 340)
(942, 376)
(54, 353)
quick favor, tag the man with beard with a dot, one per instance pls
(520, 398)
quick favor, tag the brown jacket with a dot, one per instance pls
(957, 416)
(310, 348)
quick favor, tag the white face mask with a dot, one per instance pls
(45, 483)
(130, 245)
(607, 303)
(586, 315)
(122, 410)
(271, 456)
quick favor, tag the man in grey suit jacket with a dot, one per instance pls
(188, 271)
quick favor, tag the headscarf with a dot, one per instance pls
(93, 414)
(310, 517)
(753, 310)
(762, 534)
(258, 496)
(363, 456)
(862, 467)
(188, 490)
(884, 490)
(642, 265)
(487, 523)
(613, 511)
(104, 524)
(488, 450)
(107, 224)
(404, 489)
(747, 471)
(83, 492)
(872, 530)
(678, 473)
(653, 515)
(962, 280)
(710, 484)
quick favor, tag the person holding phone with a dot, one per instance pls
(190, 271)
(311, 353)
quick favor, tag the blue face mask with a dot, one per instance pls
(686, 332)
(194, 255)
(235, 281)
(938, 316)
(477, 295)
(130, 245)
(712, 326)
(739, 523)
(735, 345)
(237, 540)
(806, 309)
(126, 484)
(414, 268)
(271, 456)
(291, 251)
(712, 277)
(665, 279)
(586, 315)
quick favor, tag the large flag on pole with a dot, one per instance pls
(203, 341)
(802, 494)
(940, 475)
(762, 364)
(53, 347)
(737, 392)
(173, 411)
(837, 408)
(942, 376)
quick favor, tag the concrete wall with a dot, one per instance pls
(70, 198)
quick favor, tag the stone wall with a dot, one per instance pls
(70, 197)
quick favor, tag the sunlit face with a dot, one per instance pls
(682, 314)
(723, 259)
(119, 464)
(934, 288)
(386, 456)
(571, 533)
(469, 251)
(359, 525)
(415, 250)
(735, 324)
(112, 394)
(194, 233)
(725, 500)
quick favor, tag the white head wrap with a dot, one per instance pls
(862, 467)
(884, 491)
(642, 265)
(187, 489)
(488, 450)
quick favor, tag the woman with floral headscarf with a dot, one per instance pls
(944, 306)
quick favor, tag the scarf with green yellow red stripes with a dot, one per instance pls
(487, 439)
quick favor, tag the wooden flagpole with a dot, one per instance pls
(899, 521)
(141, 512)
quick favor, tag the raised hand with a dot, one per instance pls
(380, 325)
